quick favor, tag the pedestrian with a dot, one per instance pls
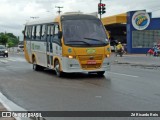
(155, 48)
(150, 52)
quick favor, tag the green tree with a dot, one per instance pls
(9, 38)
(3, 39)
(10, 44)
(11, 35)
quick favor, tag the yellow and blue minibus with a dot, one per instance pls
(67, 44)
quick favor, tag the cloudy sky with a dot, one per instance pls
(15, 13)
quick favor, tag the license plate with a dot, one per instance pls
(91, 62)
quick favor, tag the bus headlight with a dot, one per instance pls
(6, 51)
(71, 57)
(107, 56)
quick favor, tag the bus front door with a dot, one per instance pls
(50, 31)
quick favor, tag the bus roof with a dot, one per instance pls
(41, 21)
(77, 17)
(63, 17)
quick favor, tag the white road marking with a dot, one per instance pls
(124, 74)
(5, 60)
(10, 59)
(98, 96)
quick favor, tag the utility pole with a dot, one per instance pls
(59, 9)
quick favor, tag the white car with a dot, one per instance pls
(113, 44)
(112, 48)
(20, 48)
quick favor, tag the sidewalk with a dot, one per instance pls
(136, 59)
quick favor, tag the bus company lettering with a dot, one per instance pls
(90, 50)
(37, 47)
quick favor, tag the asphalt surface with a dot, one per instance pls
(124, 88)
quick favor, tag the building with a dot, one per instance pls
(137, 29)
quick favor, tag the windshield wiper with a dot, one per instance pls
(96, 40)
(80, 41)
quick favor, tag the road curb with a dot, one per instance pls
(136, 64)
(11, 106)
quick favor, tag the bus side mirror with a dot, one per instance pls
(60, 34)
(23, 32)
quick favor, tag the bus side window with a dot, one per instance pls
(43, 31)
(56, 30)
(38, 31)
(51, 37)
(56, 39)
(52, 31)
(48, 31)
(33, 32)
(48, 36)
(30, 32)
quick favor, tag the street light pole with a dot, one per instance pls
(59, 11)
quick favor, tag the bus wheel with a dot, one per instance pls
(101, 73)
(57, 68)
(35, 66)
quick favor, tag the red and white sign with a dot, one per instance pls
(91, 62)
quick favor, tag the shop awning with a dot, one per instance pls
(116, 19)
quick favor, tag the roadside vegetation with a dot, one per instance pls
(9, 39)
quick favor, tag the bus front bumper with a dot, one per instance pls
(73, 66)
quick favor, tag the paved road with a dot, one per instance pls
(124, 88)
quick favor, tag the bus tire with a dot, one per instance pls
(57, 68)
(35, 66)
(101, 73)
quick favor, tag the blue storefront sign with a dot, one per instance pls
(142, 31)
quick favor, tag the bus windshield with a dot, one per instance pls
(84, 33)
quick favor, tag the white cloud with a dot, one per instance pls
(14, 14)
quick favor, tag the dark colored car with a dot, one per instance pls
(3, 51)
